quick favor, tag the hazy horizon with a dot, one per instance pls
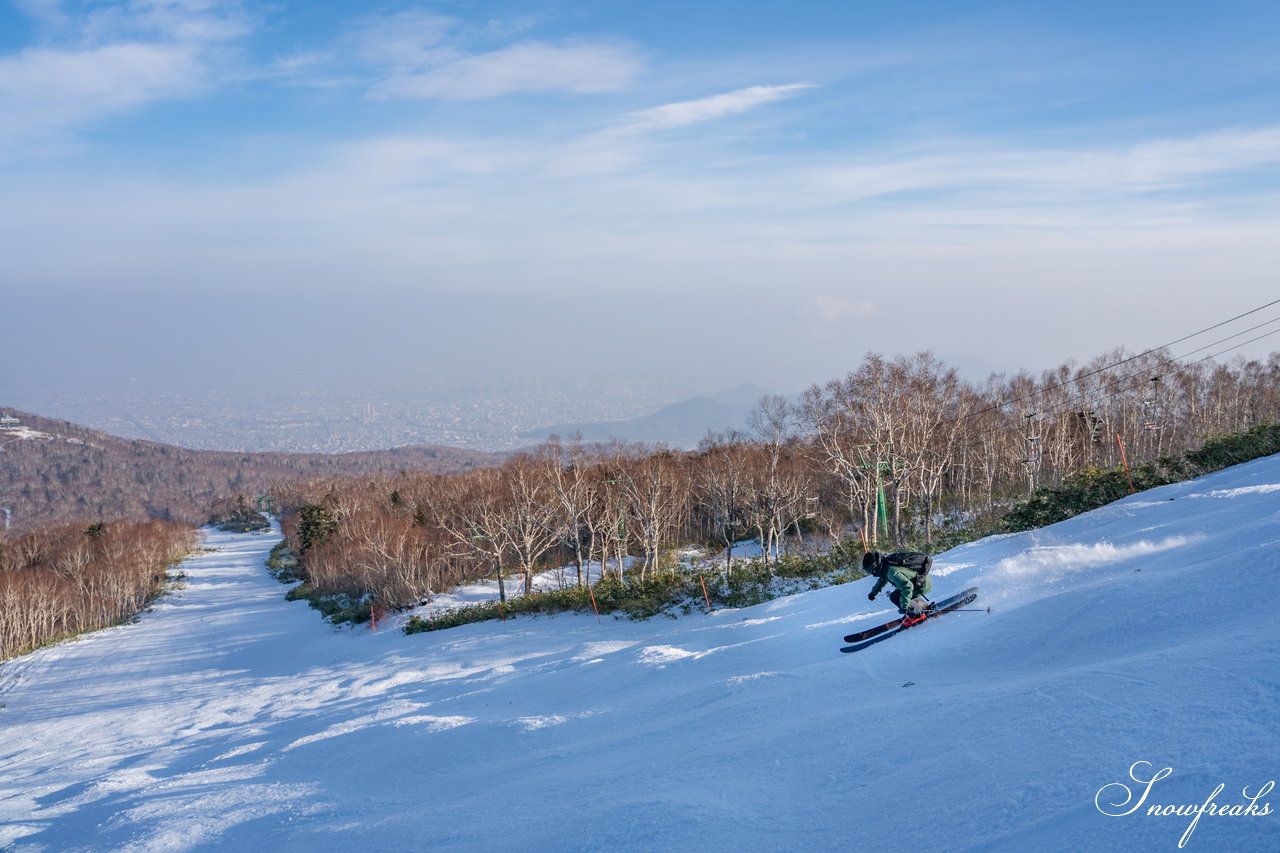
(683, 197)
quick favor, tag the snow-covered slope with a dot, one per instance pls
(228, 719)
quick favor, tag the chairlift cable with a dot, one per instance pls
(1131, 358)
(1059, 409)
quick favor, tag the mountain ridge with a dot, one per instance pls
(681, 424)
(55, 471)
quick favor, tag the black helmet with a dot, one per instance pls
(870, 561)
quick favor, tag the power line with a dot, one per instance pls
(1230, 337)
(1087, 402)
(1092, 399)
(1168, 364)
(1211, 328)
(1173, 362)
(1237, 346)
(1084, 376)
(1165, 365)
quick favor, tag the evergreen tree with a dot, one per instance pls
(315, 525)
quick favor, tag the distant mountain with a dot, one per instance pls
(679, 425)
(54, 471)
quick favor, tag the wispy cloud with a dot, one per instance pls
(684, 113)
(1220, 151)
(975, 174)
(534, 66)
(111, 59)
(625, 142)
(404, 42)
(45, 13)
(43, 91)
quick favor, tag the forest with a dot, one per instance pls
(63, 580)
(900, 452)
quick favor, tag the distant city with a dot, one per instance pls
(258, 417)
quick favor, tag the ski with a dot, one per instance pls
(859, 636)
(871, 636)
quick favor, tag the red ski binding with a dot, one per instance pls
(909, 619)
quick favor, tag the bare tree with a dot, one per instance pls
(722, 470)
(657, 497)
(530, 514)
(574, 492)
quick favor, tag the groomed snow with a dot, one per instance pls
(229, 719)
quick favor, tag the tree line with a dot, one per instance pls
(65, 579)
(900, 452)
(89, 521)
(68, 473)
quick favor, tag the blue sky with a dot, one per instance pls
(722, 192)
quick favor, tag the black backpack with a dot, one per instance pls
(912, 561)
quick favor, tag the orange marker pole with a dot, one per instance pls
(1125, 460)
(591, 593)
(704, 592)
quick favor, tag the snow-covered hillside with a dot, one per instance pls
(229, 719)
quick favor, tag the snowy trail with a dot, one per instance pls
(150, 707)
(230, 719)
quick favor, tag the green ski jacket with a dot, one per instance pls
(902, 580)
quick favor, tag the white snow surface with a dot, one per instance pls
(26, 432)
(229, 719)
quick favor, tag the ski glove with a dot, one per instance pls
(871, 596)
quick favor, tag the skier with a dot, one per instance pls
(908, 571)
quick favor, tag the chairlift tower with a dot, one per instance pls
(880, 529)
(1035, 452)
